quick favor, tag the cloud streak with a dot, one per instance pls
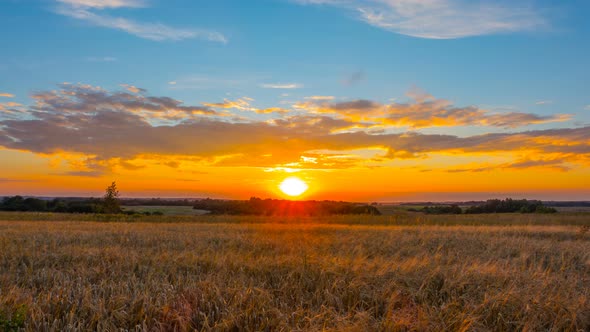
(83, 10)
(101, 59)
(100, 4)
(281, 86)
(441, 19)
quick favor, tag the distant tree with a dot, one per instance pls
(34, 204)
(441, 209)
(57, 205)
(110, 203)
(276, 207)
(510, 205)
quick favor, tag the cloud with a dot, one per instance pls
(6, 95)
(82, 10)
(587, 108)
(320, 97)
(516, 119)
(354, 78)
(78, 101)
(526, 164)
(100, 4)
(239, 104)
(557, 164)
(15, 180)
(101, 59)
(9, 110)
(424, 111)
(442, 19)
(114, 127)
(281, 86)
(132, 88)
(205, 82)
(544, 102)
(91, 173)
(11, 104)
(243, 104)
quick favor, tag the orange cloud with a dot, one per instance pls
(244, 104)
(422, 112)
(115, 127)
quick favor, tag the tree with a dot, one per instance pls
(15, 203)
(34, 204)
(110, 203)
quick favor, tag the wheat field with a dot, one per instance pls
(413, 273)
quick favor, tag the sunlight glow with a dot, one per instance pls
(293, 186)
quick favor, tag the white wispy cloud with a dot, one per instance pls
(101, 59)
(320, 98)
(103, 3)
(83, 10)
(281, 86)
(442, 19)
(587, 108)
(544, 102)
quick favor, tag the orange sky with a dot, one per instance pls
(437, 177)
(77, 139)
(363, 101)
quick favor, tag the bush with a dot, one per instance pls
(442, 209)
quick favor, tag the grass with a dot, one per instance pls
(401, 218)
(409, 272)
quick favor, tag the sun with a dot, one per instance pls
(293, 186)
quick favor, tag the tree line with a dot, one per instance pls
(507, 205)
(279, 207)
(109, 203)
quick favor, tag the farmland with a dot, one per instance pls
(394, 272)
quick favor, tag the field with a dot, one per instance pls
(389, 273)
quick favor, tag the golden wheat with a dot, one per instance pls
(295, 274)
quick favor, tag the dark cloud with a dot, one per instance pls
(556, 164)
(91, 173)
(15, 180)
(355, 105)
(75, 98)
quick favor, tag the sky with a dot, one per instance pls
(364, 100)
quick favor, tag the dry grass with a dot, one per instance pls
(295, 274)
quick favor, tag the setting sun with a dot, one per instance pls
(293, 186)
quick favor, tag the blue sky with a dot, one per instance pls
(319, 47)
(414, 80)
